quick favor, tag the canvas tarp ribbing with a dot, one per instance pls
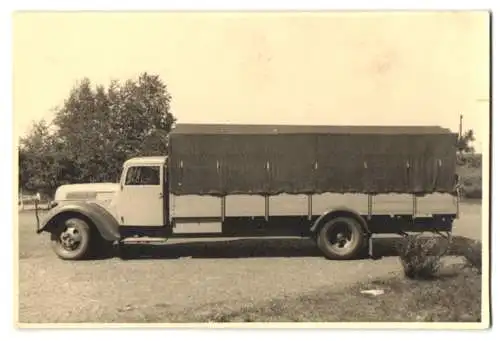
(269, 162)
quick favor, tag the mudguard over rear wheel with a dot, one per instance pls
(341, 238)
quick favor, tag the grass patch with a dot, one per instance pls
(453, 297)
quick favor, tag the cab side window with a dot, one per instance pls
(143, 175)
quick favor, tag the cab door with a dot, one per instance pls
(142, 193)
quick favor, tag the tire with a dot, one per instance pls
(348, 242)
(72, 240)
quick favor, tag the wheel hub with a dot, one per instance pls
(71, 238)
(340, 239)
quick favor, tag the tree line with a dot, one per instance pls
(94, 131)
(97, 128)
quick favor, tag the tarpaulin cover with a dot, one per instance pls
(258, 159)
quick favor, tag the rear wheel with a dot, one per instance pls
(71, 240)
(341, 238)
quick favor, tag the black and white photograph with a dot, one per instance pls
(252, 168)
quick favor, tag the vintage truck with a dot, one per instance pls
(339, 185)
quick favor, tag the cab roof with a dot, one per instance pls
(146, 160)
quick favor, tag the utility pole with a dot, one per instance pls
(460, 127)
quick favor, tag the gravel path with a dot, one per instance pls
(92, 291)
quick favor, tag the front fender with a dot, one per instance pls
(105, 223)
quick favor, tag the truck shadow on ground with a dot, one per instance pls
(264, 248)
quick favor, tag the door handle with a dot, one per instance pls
(160, 195)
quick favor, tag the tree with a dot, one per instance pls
(464, 142)
(37, 159)
(95, 130)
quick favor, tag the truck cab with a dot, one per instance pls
(87, 217)
(142, 200)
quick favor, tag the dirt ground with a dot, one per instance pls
(186, 274)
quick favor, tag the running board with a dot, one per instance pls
(139, 240)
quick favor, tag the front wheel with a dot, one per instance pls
(341, 238)
(71, 241)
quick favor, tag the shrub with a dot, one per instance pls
(473, 193)
(473, 255)
(469, 168)
(419, 257)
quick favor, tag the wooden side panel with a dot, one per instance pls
(436, 203)
(392, 204)
(245, 205)
(198, 227)
(322, 203)
(192, 206)
(288, 205)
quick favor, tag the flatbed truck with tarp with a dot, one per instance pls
(339, 185)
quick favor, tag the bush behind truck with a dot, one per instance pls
(336, 184)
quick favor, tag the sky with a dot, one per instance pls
(332, 68)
